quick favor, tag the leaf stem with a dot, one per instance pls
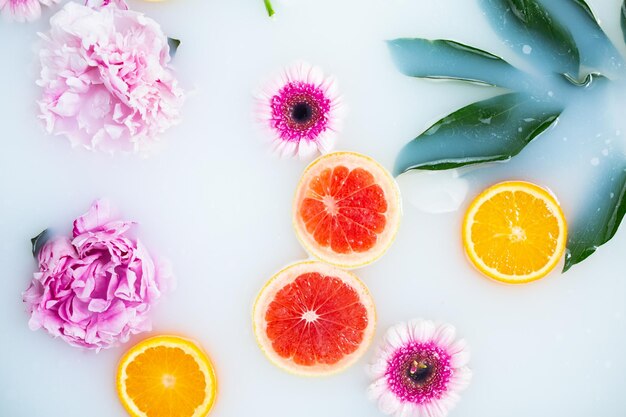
(268, 7)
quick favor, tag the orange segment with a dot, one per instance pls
(166, 376)
(514, 232)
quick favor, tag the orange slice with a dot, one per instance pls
(314, 319)
(166, 376)
(346, 209)
(514, 232)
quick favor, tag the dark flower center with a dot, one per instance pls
(301, 112)
(420, 371)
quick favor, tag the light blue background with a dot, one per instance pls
(218, 205)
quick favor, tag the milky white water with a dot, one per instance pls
(218, 205)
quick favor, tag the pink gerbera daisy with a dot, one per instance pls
(419, 370)
(301, 110)
(23, 10)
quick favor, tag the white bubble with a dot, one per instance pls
(434, 191)
(595, 161)
(527, 49)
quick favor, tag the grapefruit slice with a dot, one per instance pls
(346, 209)
(314, 319)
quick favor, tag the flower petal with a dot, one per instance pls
(460, 354)
(378, 368)
(407, 409)
(376, 389)
(422, 330)
(444, 335)
(398, 335)
(461, 378)
(388, 403)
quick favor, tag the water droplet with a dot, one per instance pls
(527, 49)
(595, 161)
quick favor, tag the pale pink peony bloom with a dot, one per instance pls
(106, 80)
(98, 4)
(23, 10)
(95, 289)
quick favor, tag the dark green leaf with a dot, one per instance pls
(173, 44)
(38, 241)
(587, 80)
(530, 29)
(623, 19)
(585, 7)
(595, 48)
(541, 23)
(490, 130)
(448, 59)
(601, 221)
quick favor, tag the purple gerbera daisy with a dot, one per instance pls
(419, 370)
(301, 109)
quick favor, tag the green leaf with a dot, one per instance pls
(38, 241)
(530, 29)
(599, 224)
(443, 58)
(539, 22)
(585, 7)
(623, 19)
(596, 50)
(173, 43)
(486, 131)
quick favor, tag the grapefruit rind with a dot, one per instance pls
(350, 160)
(285, 277)
(534, 190)
(187, 346)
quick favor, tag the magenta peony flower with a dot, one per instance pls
(106, 80)
(23, 10)
(95, 289)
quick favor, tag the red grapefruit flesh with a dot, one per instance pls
(314, 319)
(347, 209)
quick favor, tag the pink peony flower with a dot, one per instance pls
(23, 10)
(95, 289)
(97, 4)
(106, 80)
